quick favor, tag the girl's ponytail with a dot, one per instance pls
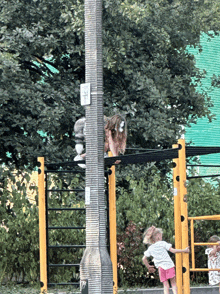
(148, 234)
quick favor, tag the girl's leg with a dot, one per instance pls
(166, 287)
(173, 285)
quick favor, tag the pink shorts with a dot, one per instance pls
(166, 274)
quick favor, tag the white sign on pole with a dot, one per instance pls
(85, 94)
(87, 195)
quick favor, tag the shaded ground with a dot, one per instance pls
(19, 289)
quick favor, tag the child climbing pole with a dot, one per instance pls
(115, 128)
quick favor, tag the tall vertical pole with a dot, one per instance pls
(177, 222)
(192, 243)
(113, 226)
(96, 266)
(184, 214)
(42, 226)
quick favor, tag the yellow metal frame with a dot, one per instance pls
(181, 223)
(193, 244)
(113, 226)
(180, 219)
(42, 226)
(184, 215)
(177, 222)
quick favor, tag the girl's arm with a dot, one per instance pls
(151, 268)
(112, 146)
(186, 250)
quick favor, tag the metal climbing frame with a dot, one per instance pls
(181, 219)
(44, 226)
(181, 214)
(193, 244)
(112, 225)
(178, 153)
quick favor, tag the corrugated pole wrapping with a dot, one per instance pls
(42, 226)
(184, 215)
(113, 225)
(95, 266)
(177, 222)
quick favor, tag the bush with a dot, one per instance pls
(19, 229)
(132, 272)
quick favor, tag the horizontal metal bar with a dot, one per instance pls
(66, 246)
(204, 165)
(205, 244)
(204, 269)
(64, 265)
(67, 163)
(82, 171)
(140, 149)
(200, 177)
(73, 228)
(62, 284)
(205, 217)
(65, 171)
(65, 190)
(67, 208)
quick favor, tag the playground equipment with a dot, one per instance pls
(45, 194)
(181, 215)
(178, 154)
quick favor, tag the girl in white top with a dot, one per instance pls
(159, 251)
(214, 261)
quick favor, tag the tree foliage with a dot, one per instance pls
(148, 76)
(147, 72)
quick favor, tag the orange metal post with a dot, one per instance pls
(177, 223)
(184, 215)
(192, 243)
(42, 227)
(113, 226)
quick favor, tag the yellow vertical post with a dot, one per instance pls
(177, 222)
(42, 226)
(112, 226)
(184, 215)
(192, 243)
